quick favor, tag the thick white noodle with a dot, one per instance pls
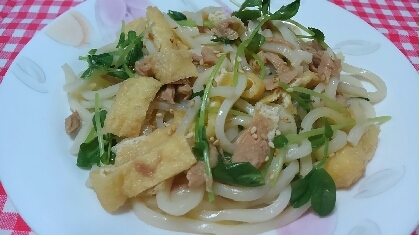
(178, 201)
(104, 93)
(351, 80)
(337, 142)
(77, 107)
(306, 165)
(182, 224)
(315, 114)
(331, 87)
(190, 115)
(251, 215)
(69, 75)
(287, 124)
(296, 152)
(232, 133)
(286, 33)
(284, 179)
(222, 115)
(186, 33)
(202, 80)
(81, 136)
(356, 110)
(245, 106)
(352, 90)
(380, 85)
(367, 108)
(356, 133)
(361, 108)
(204, 39)
(149, 45)
(75, 85)
(239, 120)
(317, 102)
(239, 194)
(294, 56)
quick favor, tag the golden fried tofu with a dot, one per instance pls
(349, 163)
(172, 65)
(106, 182)
(128, 112)
(137, 25)
(130, 148)
(161, 33)
(115, 184)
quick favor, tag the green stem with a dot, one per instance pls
(242, 47)
(99, 126)
(297, 138)
(260, 62)
(201, 122)
(128, 71)
(333, 104)
(280, 156)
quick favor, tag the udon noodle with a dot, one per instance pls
(287, 86)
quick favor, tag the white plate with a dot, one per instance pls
(48, 189)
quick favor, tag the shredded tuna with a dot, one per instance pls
(229, 28)
(322, 62)
(196, 175)
(72, 123)
(143, 67)
(271, 83)
(196, 58)
(280, 41)
(167, 94)
(253, 147)
(341, 99)
(284, 73)
(185, 90)
(208, 56)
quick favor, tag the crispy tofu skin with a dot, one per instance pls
(172, 65)
(130, 148)
(163, 36)
(349, 163)
(128, 112)
(138, 25)
(113, 185)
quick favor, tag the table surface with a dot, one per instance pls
(20, 20)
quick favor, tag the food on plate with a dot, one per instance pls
(215, 123)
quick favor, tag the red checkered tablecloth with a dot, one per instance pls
(20, 20)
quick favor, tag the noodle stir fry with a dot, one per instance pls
(215, 123)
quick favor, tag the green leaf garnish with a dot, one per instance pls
(176, 16)
(239, 173)
(223, 40)
(280, 141)
(201, 148)
(119, 63)
(323, 192)
(286, 12)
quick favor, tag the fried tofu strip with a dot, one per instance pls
(172, 65)
(113, 185)
(130, 148)
(162, 34)
(349, 163)
(137, 25)
(128, 112)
